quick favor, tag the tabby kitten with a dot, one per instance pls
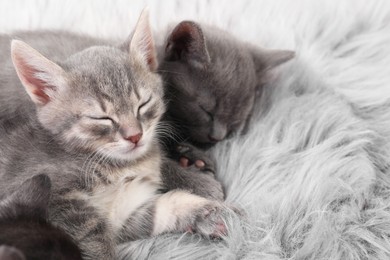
(25, 232)
(212, 79)
(91, 127)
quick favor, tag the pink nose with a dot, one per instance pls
(134, 138)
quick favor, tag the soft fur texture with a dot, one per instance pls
(25, 231)
(92, 128)
(211, 80)
(313, 170)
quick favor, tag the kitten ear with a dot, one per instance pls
(142, 43)
(187, 42)
(40, 77)
(30, 199)
(268, 59)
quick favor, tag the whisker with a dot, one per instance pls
(90, 164)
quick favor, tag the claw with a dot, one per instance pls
(221, 229)
(182, 149)
(190, 230)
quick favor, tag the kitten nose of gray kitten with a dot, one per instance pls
(134, 138)
(214, 139)
(218, 132)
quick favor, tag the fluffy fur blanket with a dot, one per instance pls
(313, 173)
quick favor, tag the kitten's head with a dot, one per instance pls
(212, 80)
(103, 99)
(25, 233)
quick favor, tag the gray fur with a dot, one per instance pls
(30, 199)
(138, 225)
(10, 253)
(212, 80)
(25, 232)
(85, 101)
(54, 45)
(195, 180)
(342, 46)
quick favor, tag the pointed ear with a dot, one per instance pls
(40, 77)
(140, 43)
(268, 59)
(30, 199)
(187, 43)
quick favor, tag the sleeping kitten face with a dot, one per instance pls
(212, 80)
(103, 99)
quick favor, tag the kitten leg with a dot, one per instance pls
(176, 211)
(193, 170)
(182, 211)
(205, 185)
(81, 221)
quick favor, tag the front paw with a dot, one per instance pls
(192, 157)
(209, 221)
(206, 186)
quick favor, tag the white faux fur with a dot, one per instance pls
(313, 171)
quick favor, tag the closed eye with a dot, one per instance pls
(207, 112)
(235, 125)
(101, 118)
(143, 104)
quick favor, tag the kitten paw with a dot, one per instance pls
(209, 221)
(190, 156)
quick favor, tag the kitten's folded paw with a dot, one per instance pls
(209, 221)
(190, 156)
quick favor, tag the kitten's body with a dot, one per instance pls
(115, 191)
(212, 80)
(25, 232)
(17, 106)
(91, 128)
(75, 171)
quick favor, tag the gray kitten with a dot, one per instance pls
(212, 80)
(91, 127)
(17, 105)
